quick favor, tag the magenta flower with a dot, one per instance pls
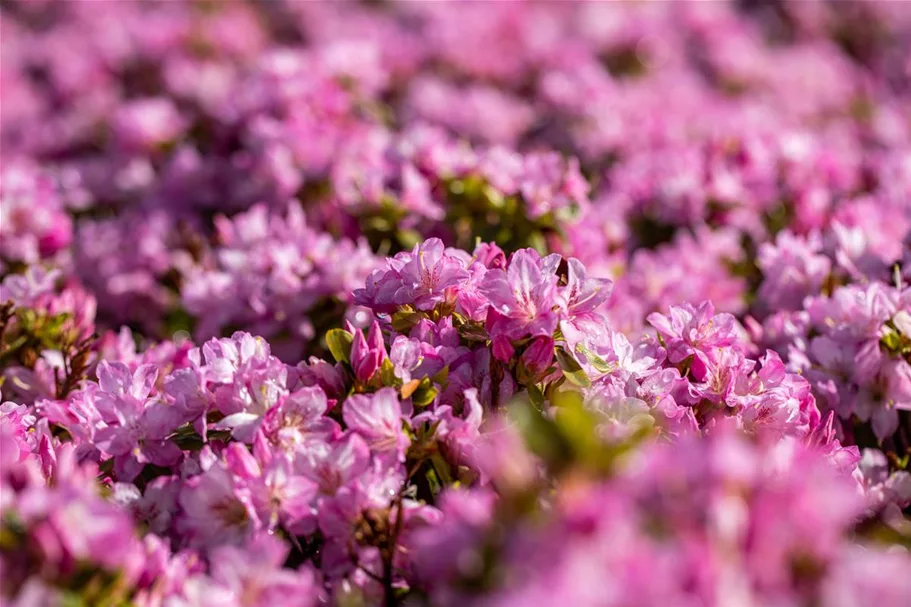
(378, 418)
(537, 358)
(524, 296)
(583, 295)
(420, 278)
(458, 436)
(793, 268)
(490, 255)
(248, 399)
(63, 524)
(643, 273)
(427, 273)
(327, 376)
(415, 359)
(224, 358)
(212, 510)
(34, 222)
(467, 514)
(367, 355)
(690, 330)
(279, 496)
(256, 573)
(26, 289)
(776, 402)
(334, 465)
(145, 123)
(17, 422)
(137, 426)
(300, 418)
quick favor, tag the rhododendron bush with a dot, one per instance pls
(455, 303)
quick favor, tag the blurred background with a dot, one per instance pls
(206, 166)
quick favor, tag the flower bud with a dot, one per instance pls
(367, 355)
(536, 359)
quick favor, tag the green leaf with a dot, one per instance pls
(433, 481)
(572, 371)
(404, 320)
(473, 332)
(339, 342)
(566, 399)
(387, 373)
(596, 361)
(578, 427)
(537, 242)
(541, 435)
(69, 598)
(536, 396)
(179, 320)
(442, 468)
(425, 393)
(891, 341)
(442, 376)
(408, 238)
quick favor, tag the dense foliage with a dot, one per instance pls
(455, 303)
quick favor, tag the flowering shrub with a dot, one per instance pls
(455, 304)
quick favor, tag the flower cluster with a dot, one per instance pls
(35, 223)
(441, 303)
(714, 520)
(274, 275)
(854, 346)
(357, 462)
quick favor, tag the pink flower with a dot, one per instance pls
(25, 289)
(145, 123)
(524, 296)
(378, 418)
(137, 427)
(278, 495)
(367, 355)
(792, 268)
(583, 295)
(256, 573)
(458, 436)
(536, 359)
(212, 512)
(336, 464)
(300, 418)
(690, 330)
(420, 278)
(17, 422)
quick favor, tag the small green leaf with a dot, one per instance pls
(387, 373)
(408, 238)
(578, 427)
(541, 435)
(473, 332)
(433, 481)
(494, 196)
(566, 399)
(425, 393)
(404, 320)
(442, 376)
(596, 361)
(572, 370)
(536, 396)
(339, 342)
(179, 320)
(537, 242)
(891, 341)
(442, 468)
(70, 598)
